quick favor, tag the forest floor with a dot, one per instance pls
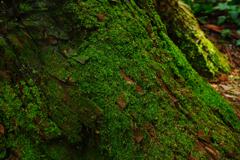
(228, 85)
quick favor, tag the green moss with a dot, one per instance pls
(184, 30)
(73, 94)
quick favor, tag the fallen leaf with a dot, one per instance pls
(226, 88)
(213, 27)
(215, 86)
(223, 77)
(232, 97)
(235, 34)
(219, 29)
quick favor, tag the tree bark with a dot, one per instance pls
(184, 31)
(101, 79)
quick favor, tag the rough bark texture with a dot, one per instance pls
(98, 79)
(184, 31)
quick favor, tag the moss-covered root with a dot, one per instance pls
(184, 31)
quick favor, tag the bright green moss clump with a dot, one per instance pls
(106, 83)
(185, 32)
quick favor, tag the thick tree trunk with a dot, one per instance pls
(101, 79)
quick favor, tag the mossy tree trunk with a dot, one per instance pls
(101, 79)
(184, 31)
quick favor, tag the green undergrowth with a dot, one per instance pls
(62, 103)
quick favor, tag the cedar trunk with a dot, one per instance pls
(108, 79)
